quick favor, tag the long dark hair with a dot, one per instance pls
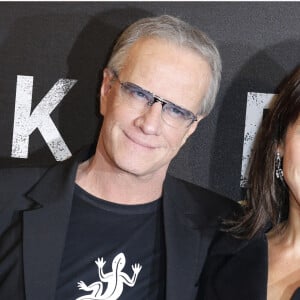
(267, 197)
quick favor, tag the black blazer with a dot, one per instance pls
(44, 197)
(236, 270)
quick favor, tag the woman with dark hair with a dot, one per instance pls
(258, 257)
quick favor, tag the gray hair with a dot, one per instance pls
(180, 33)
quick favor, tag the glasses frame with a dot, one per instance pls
(192, 117)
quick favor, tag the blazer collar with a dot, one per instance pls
(185, 245)
(44, 229)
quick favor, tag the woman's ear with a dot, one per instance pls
(280, 148)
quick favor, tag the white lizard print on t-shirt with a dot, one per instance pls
(115, 280)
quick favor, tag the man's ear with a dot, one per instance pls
(105, 89)
(195, 124)
(192, 128)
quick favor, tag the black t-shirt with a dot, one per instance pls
(112, 251)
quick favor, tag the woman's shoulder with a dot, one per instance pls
(225, 243)
(235, 268)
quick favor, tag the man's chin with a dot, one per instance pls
(142, 171)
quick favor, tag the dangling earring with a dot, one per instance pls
(278, 169)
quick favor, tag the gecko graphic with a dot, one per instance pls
(115, 280)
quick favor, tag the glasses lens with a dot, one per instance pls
(136, 95)
(176, 116)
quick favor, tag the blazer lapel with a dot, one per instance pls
(185, 246)
(44, 230)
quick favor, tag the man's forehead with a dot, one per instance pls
(148, 45)
(152, 50)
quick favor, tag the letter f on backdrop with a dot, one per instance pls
(26, 122)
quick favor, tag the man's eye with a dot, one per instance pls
(175, 111)
(136, 92)
(139, 94)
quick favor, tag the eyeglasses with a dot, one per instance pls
(140, 99)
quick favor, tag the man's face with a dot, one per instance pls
(142, 144)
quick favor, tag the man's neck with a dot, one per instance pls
(109, 183)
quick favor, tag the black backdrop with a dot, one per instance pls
(259, 44)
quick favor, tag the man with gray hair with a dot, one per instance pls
(114, 224)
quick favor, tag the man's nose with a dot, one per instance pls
(150, 122)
